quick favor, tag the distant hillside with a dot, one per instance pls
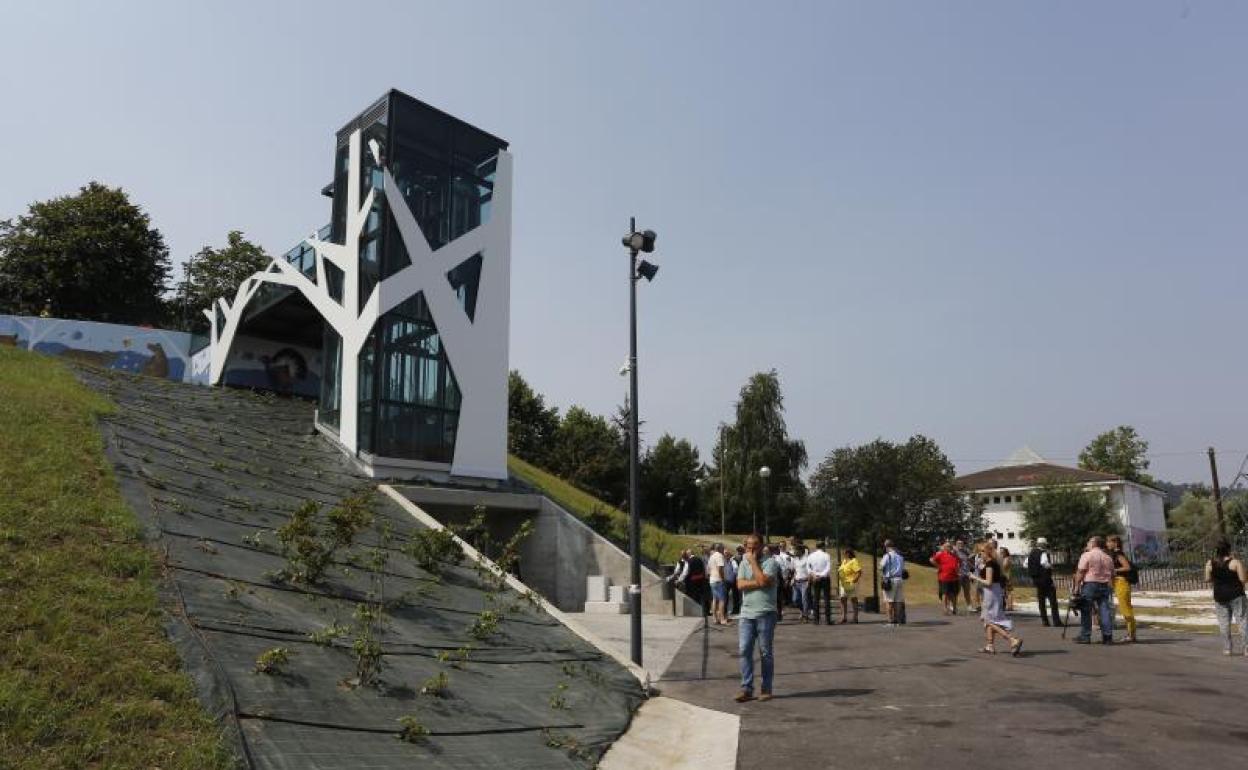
(1175, 492)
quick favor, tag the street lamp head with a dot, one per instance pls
(647, 270)
(764, 471)
(642, 241)
(670, 495)
(698, 482)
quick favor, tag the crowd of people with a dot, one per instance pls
(754, 582)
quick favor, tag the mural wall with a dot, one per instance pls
(276, 366)
(141, 350)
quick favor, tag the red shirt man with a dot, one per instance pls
(947, 566)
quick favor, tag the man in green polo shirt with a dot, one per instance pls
(757, 623)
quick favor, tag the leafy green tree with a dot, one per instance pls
(92, 256)
(907, 492)
(759, 437)
(214, 273)
(1067, 515)
(531, 425)
(1194, 521)
(1120, 451)
(589, 452)
(671, 465)
(1236, 509)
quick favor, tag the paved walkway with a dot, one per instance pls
(863, 696)
(662, 636)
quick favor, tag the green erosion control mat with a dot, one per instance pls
(213, 473)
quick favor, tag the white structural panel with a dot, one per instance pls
(476, 348)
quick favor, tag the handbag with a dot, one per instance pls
(887, 584)
(905, 574)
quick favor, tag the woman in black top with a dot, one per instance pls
(996, 622)
(1228, 576)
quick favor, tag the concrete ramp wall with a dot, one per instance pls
(562, 551)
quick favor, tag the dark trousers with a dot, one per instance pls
(734, 596)
(696, 589)
(821, 593)
(1047, 591)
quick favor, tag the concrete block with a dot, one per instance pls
(606, 608)
(596, 588)
(615, 594)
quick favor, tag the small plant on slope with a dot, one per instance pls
(272, 661)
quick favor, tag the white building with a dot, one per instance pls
(397, 311)
(1001, 491)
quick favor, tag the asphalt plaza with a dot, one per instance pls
(861, 695)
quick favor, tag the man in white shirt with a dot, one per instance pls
(801, 583)
(784, 587)
(719, 588)
(819, 569)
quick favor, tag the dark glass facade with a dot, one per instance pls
(331, 379)
(409, 398)
(415, 408)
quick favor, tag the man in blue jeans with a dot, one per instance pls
(757, 622)
(1093, 578)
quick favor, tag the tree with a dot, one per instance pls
(214, 273)
(588, 452)
(1119, 451)
(1236, 509)
(1067, 515)
(1194, 521)
(673, 466)
(759, 437)
(92, 256)
(531, 425)
(907, 492)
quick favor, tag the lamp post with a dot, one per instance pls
(723, 516)
(765, 473)
(836, 534)
(635, 242)
(699, 482)
(670, 495)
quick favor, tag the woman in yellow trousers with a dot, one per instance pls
(1124, 577)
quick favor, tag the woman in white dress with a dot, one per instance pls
(996, 622)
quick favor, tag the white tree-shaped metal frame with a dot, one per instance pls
(477, 348)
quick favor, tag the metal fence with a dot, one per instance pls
(1181, 568)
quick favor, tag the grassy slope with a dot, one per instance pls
(664, 547)
(87, 675)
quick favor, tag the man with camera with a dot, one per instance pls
(1093, 577)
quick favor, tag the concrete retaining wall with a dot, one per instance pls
(563, 551)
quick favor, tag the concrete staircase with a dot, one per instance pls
(602, 598)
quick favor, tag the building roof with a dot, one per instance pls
(1030, 475)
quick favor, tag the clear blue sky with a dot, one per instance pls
(995, 223)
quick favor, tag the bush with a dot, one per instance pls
(310, 548)
(434, 550)
(411, 730)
